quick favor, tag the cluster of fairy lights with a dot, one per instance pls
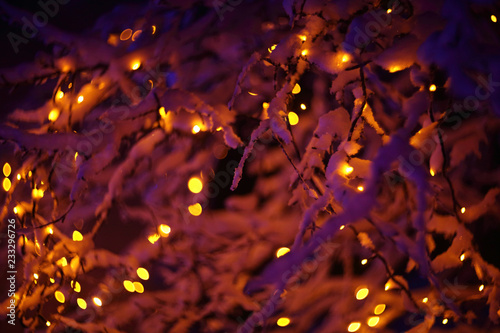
(195, 185)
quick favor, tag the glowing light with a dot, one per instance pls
(362, 293)
(283, 321)
(154, 29)
(196, 129)
(153, 238)
(162, 112)
(425, 300)
(195, 185)
(76, 286)
(6, 184)
(394, 69)
(47, 323)
(7, 169)
(77, 236)
(265, 105)
(60, 296)
(387, 285)
(195, 209)
(364, 261)
(63, 262)
(432, 87)
(218, 129)
(80, 99)
(347, 169)
(345, 58)
(81, 303)
(272, 48)
(15, 210)
(139, 287)
(445, 321)
(53, 115)
(481, 287)
(251, 93)
(373, 321)
(129, 286)
(164, 230)
(97, 301)
(303, 106)
(361, 188)
(35, 276)
(126, 34)
(52, 280)
(50, 231)
(296, 89)
(303, 38)
(389, 11)
(342, 227)
(76, 155)
(353, 327)
(282, 251)
(18, 176)
(293, 118)
(136, 35)
(494, 18)
(29, 173)
(462, 210)
(379, 309)
(37, 193)
(432, 173)
(304, 52)
(462, 257)
(142, 273)
(59, 94)
(135, 65)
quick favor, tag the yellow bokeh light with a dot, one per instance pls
(296, 89)
(164, 230)
(361, 188)
(481, 287)
(283, 321)
(59, 94)
(76, 286)
(432, 87)
(97, 301)
(35, 276)
(126, 34)
(293, 118)
(50, 230)
(282, 251)
(462, 257)
(425, 300)
(364, 261)
(153, 27)
(135, 65)
(77, 236)
(81, 303)
(63, 262)
(80, 99)
(373, 321)
(18, 176)
(195, 185)
(142, 273)
(379, 309)
(7, 169)
(136, 35)
(15, 210)
(195, 209)
(342, 227)
(303, 106)
(153, 238)
(265, 105)
(432, 172)
(47, 323)
(304, 53)
(362, 293)
(60, 297)
(272, 48)
(347, 169)
(129, 286)
(252, 93)
(196, 129)
(389, 11)
(6, 184)
(303, 38)
(462, 210)
(353, 327)
(162, 112)
(52, 280)
(345, 58)
(445, 321)
(138, 287)
(494, 18)
(53, 114)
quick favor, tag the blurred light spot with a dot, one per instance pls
(59, 296)
(195, 185)
(126, 34)
(379, 309)
(462, 257)
(80, 99)
(265, 105)
(494, 18)
(445, 321)
(35, 276)
(81, 303)
(293, 118)
(139, 287)
(272, 48)
(76, 286)
(342, 227)
(142, 273)
(481, 287)
(296, 89)
(195, 209)
(6, 169)
(432, 87)
(282, 322)
(251, 93)
(361, 188)
(153, 27)
(53, 115)
(164, 230)
(77, 236)
(432, 173)
(462, 210)
(59, 94)
(362, 293)
(153, 238)
(389, 11)
(129, 286)
(63, 262)
(347, 169)
(345, 58)
(394, 69)
(364, 261)
(196, 129)
(303, 106)
(353, 327)
(303, 38)
(47, 323)
(136, 35)
(52, 280)
(425, 300)
(97, 301)
(282, 251)
(373, 321)
(162, 112)
(15, 210)
(304, 53)
(6, 184)
(18, 176)
(135, 65)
